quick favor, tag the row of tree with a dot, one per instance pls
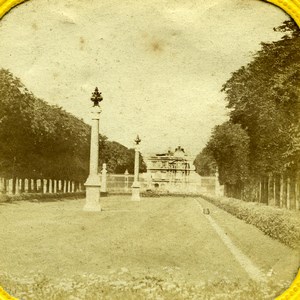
(38, 140)
(260, 144)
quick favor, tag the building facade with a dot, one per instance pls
(170, 170)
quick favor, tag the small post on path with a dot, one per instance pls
(136, 185)
(104, 181)
(93, 183)
(126, 180)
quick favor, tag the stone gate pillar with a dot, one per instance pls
(93, 183)
(136, 185)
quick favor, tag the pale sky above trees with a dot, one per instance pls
(159, 64)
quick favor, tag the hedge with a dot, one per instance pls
(39, 197)
(278, 223)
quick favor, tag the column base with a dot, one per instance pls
(135, 192)
(92, 199)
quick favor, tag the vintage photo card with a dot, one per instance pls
(149, 150)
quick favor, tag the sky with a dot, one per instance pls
(160, 64)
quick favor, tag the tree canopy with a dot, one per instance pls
(262, 135)
(264, 97)
(205, 163)
(229, 145)
(39, 140)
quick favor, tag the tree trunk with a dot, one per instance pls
(297, 200)
(284, 197)
(62, 186)
(47, 186)
(281, 191)
(259, 191)
(277, 190)
(22, 185)
(5, 188)
(29, 185)
(35, 185)
(14, 183)
(271, 199)
(288, 191)
(293, 193)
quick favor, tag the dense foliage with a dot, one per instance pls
(262, 136)
(264, 97)
(229, 146)
(205, 163)
(44, 141)
(119, 158)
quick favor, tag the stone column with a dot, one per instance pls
(10, 186)
(65, 190)
(17, 189)
(39, 185)
(104, 181)
(55, 186)
(29, 185)
(136, 185)
(50, 186)
(93, 183)
(44, 187)
(21, 185)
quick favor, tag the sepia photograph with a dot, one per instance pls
(149, 150)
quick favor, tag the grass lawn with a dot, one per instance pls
(273, 257)
(151, 236)
(59, 239)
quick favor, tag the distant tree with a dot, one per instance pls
(119, 158)
(229, 146)
(205, 163)
(115, 156)
(130, 162)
